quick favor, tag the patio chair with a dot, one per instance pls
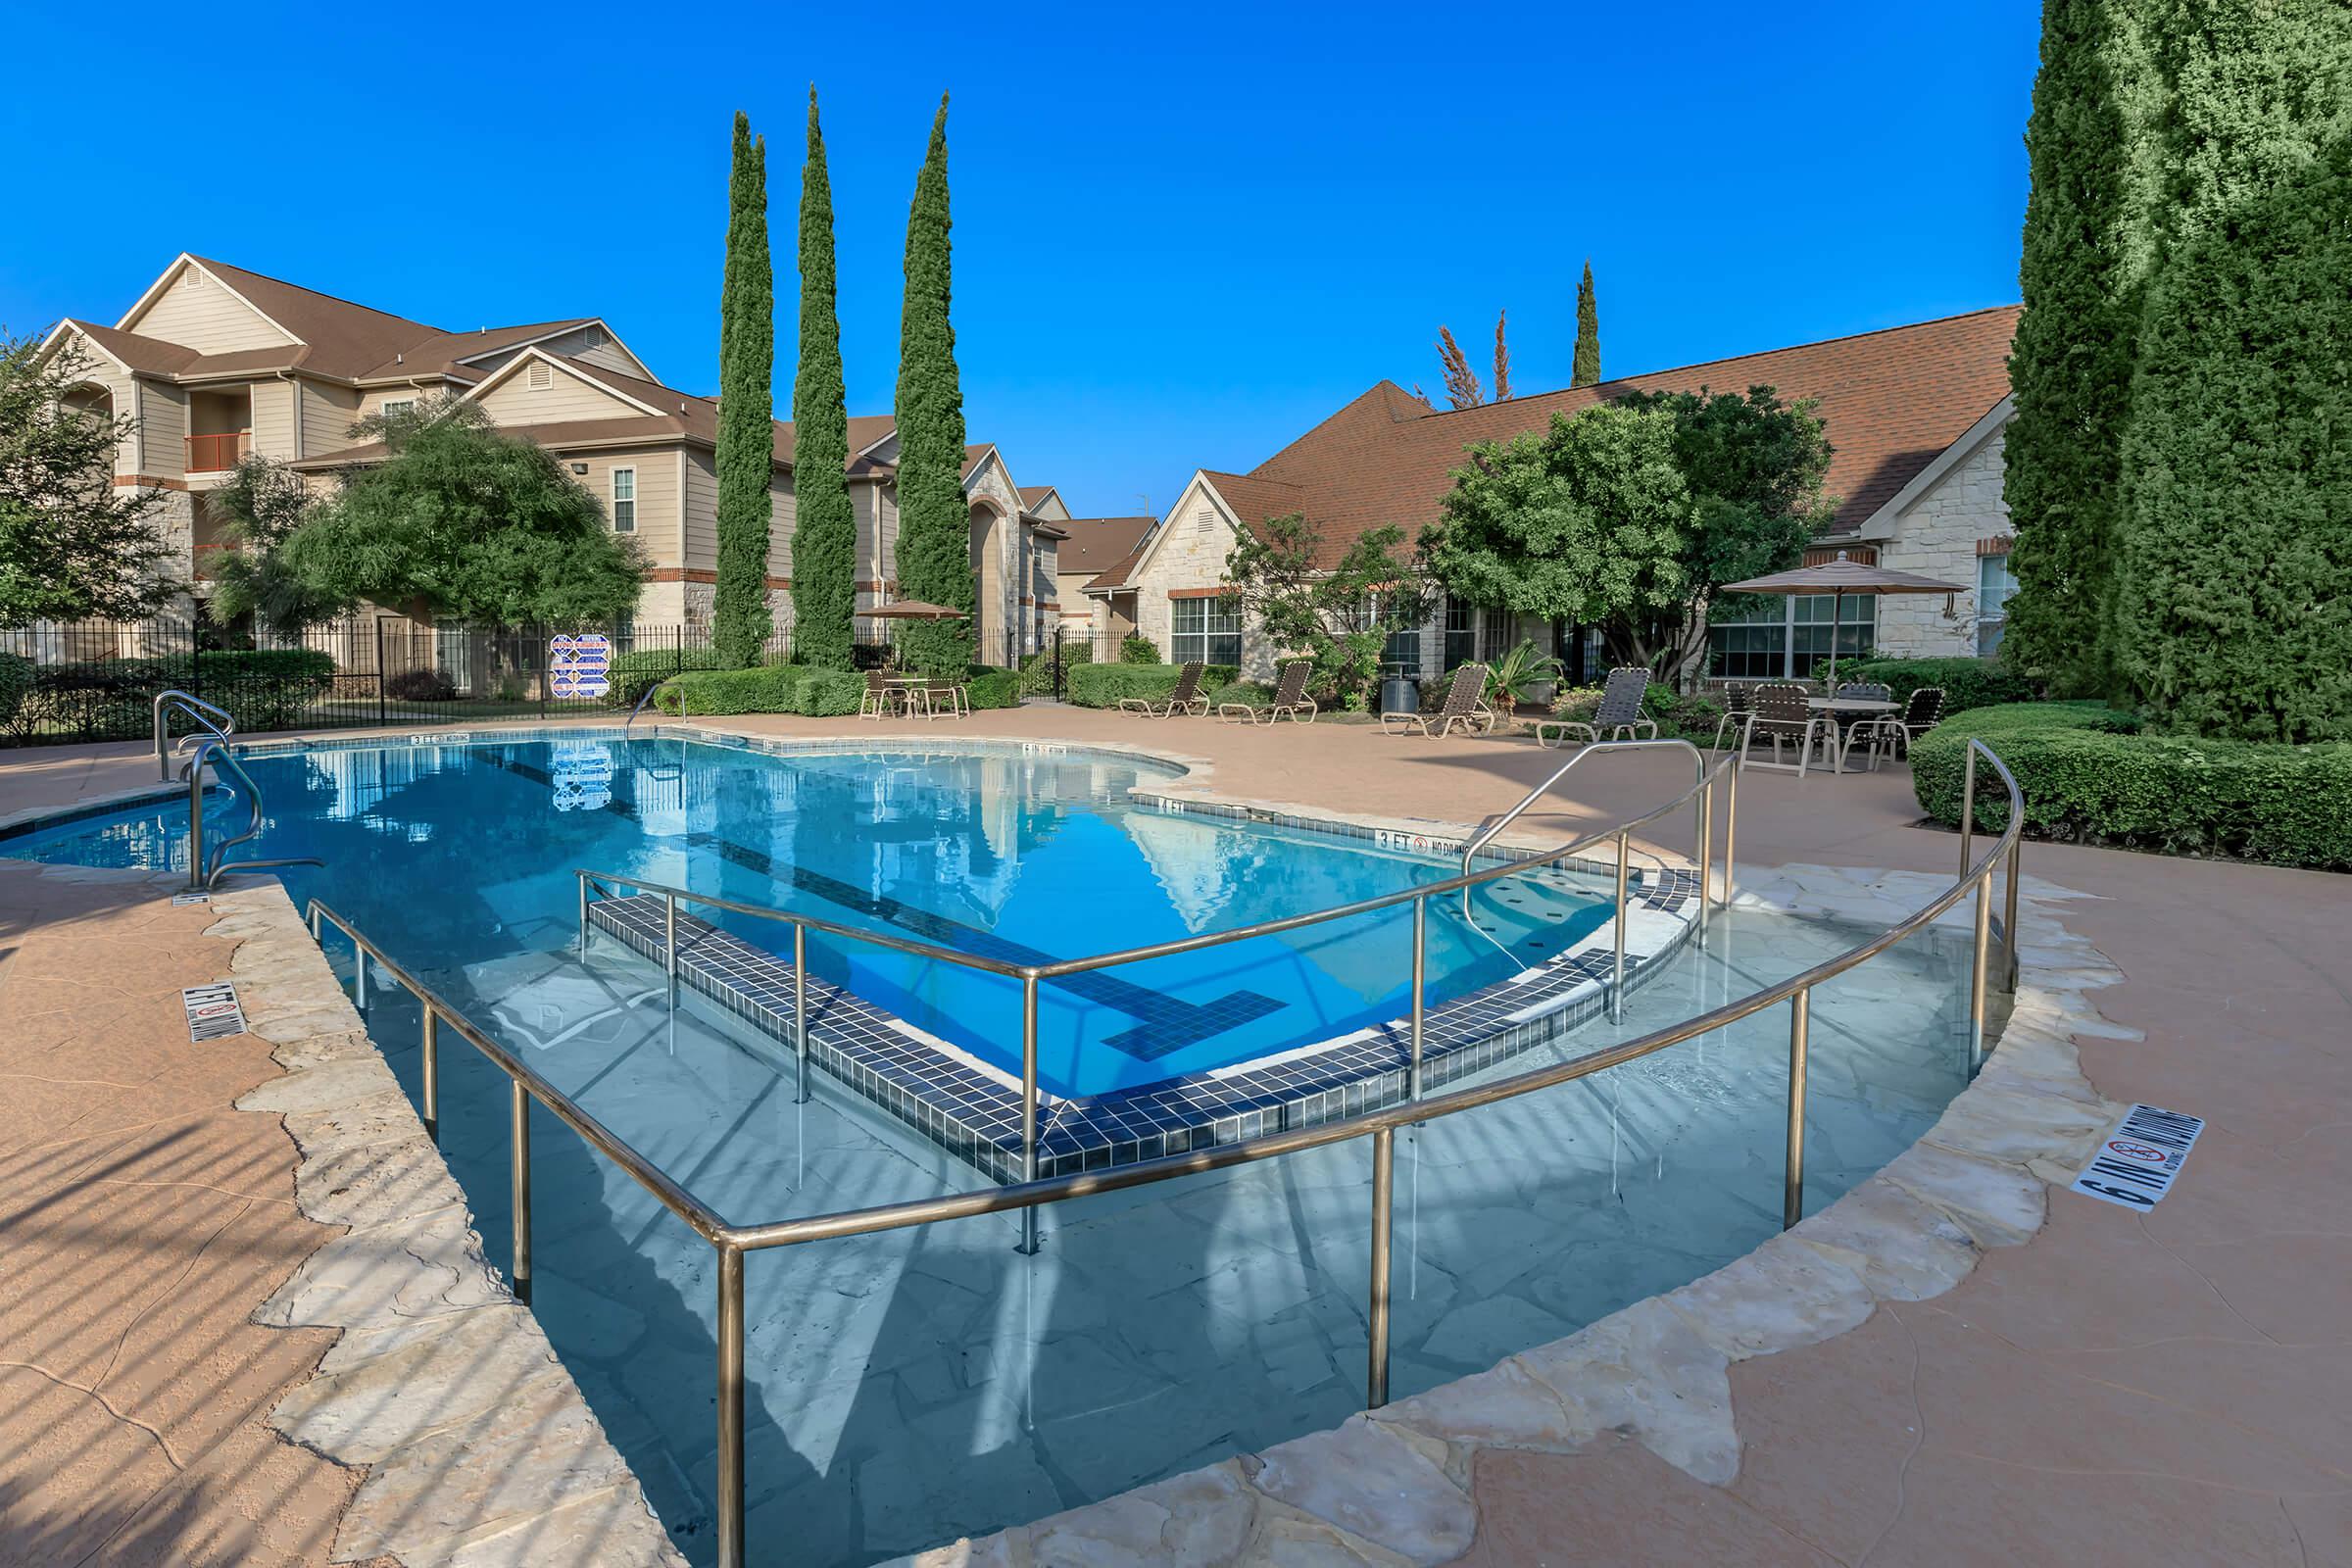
(1736, 708)
(1619, 716)
(1778, 712)
(1185, 699)
(1866, 690)
(878, 701)
(943, 699)
(1290, 699)
(1465, 704)
(1922, 712)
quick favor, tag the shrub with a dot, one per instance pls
(1037, 670)
(1108, 685)
(2088, 776)
(631, 674)
(112, 699)
(764, 689)
(1967, 683)
(1249, 693)
(420, 686)
(997, 688)
(1138, 649)
(17, 679)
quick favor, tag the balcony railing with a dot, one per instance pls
(211, 454)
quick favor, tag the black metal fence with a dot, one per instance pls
(97, 681)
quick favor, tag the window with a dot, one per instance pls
(1782, 638)
(394, 405)
(1995, 582)
(1461, 634)
(1206, 630)
(1855, 632)
(624, 500)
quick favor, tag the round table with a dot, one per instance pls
(1842, 711)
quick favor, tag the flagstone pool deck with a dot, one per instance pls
(2097, 1386)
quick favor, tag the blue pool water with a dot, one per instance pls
(449, 855)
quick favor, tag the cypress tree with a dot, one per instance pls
(935, 552)
(2098, 162)
(739, 620)
(2232, 611)
(1585, 370)
(824, 538)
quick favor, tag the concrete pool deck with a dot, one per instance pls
(2174, 1382)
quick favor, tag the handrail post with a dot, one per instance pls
(359, 979)
(1617, 995)
(1968, 806)
(1792, 1179)
(583, 917)
(521, 1118)
(1028, 1242)
(670, 945)
(196, 822)
(1384, 1163)
(1706, 854)
(2017, 864)
(800, 1007)
(1420, 989)
(1731, 826)
(730, 1406)
(429, 1052)
(1979, 963)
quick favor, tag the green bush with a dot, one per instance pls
(16, 680)
(113, 699)
(632, 673)
(1249, 693)
(1037, 670)
(764, 689)
(1108, 685)
(2088, 776)
(1138, 649)
(1968, 683)
(997, 688)
(420, 686)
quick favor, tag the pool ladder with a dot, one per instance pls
(209, 745)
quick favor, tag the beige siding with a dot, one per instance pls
(273, 420)
(598, 347)
(782, 518)
(657, 494)
(326, 416)
(96, 369)
(373, 399)
(163, 415)
(701, 510)
(199, 313)
(513, 401)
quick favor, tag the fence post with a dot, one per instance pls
(383, 675)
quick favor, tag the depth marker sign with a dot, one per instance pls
(2136, 1164)
(213, 1013)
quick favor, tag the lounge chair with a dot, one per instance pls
(1619, 716)
(1290, 699)
(1465, 704)
(1185, 699)
(1780, 713)
(1896, 731)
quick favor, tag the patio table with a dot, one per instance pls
(1846, 711)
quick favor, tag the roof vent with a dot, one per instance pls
(400, 359)
(542, 377)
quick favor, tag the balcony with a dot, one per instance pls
(213, 454)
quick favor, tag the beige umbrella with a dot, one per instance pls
(1842, 577)
(914, 609)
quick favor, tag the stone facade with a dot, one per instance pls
(1935, 536)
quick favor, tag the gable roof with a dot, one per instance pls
(1892, 401)
(1096, 543)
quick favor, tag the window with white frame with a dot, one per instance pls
(1783, 637)
(1461, 634)
(1206, 630)
(624, 500)
(1995, 582)
(393, 405)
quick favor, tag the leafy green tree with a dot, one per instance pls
(73, 543)
(466, 523)
(2097, 155)
(1338, 614)
(1584, 369)
(2232, 615)
(1755, 467)
(740, 620)
(261, 507)
(935, 552)
(824, 537)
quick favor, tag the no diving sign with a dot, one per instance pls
(2136, 1164)
(213, 1012)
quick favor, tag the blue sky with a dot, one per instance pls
(1182, 235)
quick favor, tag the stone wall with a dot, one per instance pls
(1937, 536)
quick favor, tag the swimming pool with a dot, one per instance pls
(453, 854)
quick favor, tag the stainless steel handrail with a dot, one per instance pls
(206, 870)
(650, 692)
(197, 709)
(732, 1240)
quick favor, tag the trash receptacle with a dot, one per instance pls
(1400, 694)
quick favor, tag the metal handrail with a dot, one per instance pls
(732, 1240)
(205, 871)
(650, 692)
(197, 709)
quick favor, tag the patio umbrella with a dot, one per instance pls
(913, 610)
(1842, 577)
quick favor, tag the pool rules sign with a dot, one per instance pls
(2136, 1164)
(579, 665)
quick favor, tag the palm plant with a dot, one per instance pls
(1516, 674)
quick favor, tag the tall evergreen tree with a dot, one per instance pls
(2097, 155)
(1585, 371)
(824, 538)
(740, 621)
(935, 551)
(2232, 615)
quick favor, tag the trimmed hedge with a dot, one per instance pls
(1108, 685)
(1967, 683)
(764, 689)
(113, 699)
(631, 674)
(2088, 776)
(994, 688)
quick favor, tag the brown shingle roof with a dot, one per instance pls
(1096, 544)
(148, 354)
(1891, 399)
(440, 353)
(1115, 575)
